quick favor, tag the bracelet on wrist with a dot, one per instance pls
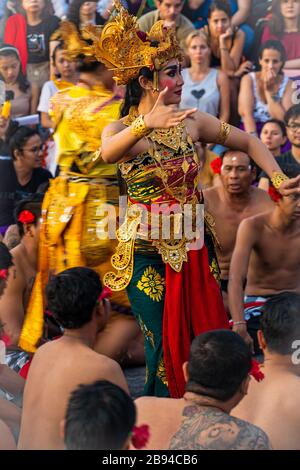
(278, 178)
(223, 48)
(242, 322)
(138, 128)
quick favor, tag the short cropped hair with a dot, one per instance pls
(219, 362)
(99, 416)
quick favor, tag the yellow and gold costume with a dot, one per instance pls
(71, 221)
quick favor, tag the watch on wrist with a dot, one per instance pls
(276, 98)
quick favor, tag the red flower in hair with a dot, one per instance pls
(3, 274)
(274, 194)
(106, 293)
(140, 436)
(142, 36)
(216, 165)
(255, 371)
(26, 217)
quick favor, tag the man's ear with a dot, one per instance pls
(17, 154)
(261, 340)
(185, 370)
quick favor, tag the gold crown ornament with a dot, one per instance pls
(123, 48)
(74, 43)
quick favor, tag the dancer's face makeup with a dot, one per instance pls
(170, 76)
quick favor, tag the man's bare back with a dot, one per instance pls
(14, 301)
(274, 264)
(56, 370)
(273, 405)
(228, 216)
(180, 424)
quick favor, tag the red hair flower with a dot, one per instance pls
(3, 274)
(255, 371)
(142, 36)
(26, 217)
(216, 165)
(274, 194)
(140, 436)
(105, 294)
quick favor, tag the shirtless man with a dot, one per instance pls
(231, 202)
(59, 366)
(200, 420)
(267, 254)
(15, 298)
(273, 404)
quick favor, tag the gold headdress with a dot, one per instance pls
(123, 48)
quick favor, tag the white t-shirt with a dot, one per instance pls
(48, 90)
(204, 95)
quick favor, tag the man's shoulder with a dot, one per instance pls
(184, 22)
(255, 437)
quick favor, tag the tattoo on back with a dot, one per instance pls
(205, 428)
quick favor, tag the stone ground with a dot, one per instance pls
(135, 377)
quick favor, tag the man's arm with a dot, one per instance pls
(12, 383)
(241, 15)
(246, 237)
(11, 306)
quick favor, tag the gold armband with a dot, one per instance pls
(139, 128)
(224, 133)
(278, 178)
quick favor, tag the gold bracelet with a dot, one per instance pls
(139, 128)
(225, 129)
(278, 178)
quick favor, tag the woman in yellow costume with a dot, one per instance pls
(73, 230)
(171, 286)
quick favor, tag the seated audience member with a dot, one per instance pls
(234, 199)
(21, 275)
(289, 161)
(30, 32)
(197, 11)
(284, 25)
(267, 255)
(217, 379)
(273, 135)
(268, 93)
(21, 175)
(22, 101)
(75, 299)
(66, 76)
(273, 404)
(83, 13)
(170, 12)
(99, 416)
(205, 88)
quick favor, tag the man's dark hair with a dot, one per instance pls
(279, 123)
(6, 261)
(31, 203)
(219, 362)
(99, 416)
(280, 322)
(292, 113)
(72, 296)
(19, 138)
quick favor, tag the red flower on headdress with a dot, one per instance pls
(26, 217)
(140, 436)
(274, 194)
(3, 274)
(255, 371)
(105, 294)
(216, 165)
(142, 36)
